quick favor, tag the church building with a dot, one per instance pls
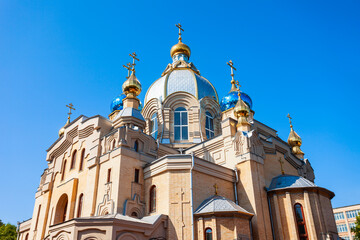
(184, 165)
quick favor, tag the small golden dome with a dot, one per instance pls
(241, 109)
(180, 47)
(61, 131)
(294, 139)
(132, 87)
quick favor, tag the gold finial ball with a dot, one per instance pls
(61, 131)
(180, 48)
(132, 87)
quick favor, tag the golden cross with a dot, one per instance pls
(70, 106)
(180, 29)
(128, 67)
(216, 189)
(290, 120)
(281, 166)
(133, 55)
(231, 64)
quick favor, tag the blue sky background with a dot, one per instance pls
(300, 57)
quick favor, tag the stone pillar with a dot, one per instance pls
(279, 231)
(309, 219)
(215, 234)
(290, 217)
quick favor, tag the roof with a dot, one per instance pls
(130, 112)
(289, 181)
(219, 204)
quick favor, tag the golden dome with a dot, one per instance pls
(241, 109)
(132, 87)
(180, 47)
(61, 131)
(294, 139)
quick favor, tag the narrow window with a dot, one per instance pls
(300, 222)
(82, 160)
(136, 146)
(152, 202)
(63, 172)
(208, 234)
(209, 126)
(27, 237)
(154, 126)
(80, 205)
(73, 160)
(37, 218)
(181, 131)
(113, 144)
(109, 175)
(136, 175)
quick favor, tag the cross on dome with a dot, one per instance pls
(71, 107)
(129, 68)
(133, 55)
(180, 29)
(290, 120)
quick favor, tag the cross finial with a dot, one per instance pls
(129, 68)
(70, 106)
(216, 189)
(133, 55)
(281, 166)
(290, 120)
(180, 29)
(231, 64)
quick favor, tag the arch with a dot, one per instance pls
(73, 159)
(300, 221)
(61, 209)
(180, 99)
(63, 171)
(209, 125)
(208, 234)
(113, 144)
(136, 146)
(82, 158)
(181, 124)
(27, 236)
(152, 199)
(80, 204)
(127, 236)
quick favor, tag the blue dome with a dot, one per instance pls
(117, 103)
(230, 100)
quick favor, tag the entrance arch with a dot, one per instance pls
(61, 209)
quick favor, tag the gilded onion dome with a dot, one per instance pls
(241, 109)
(180, 47)
(294, 140)
(62, 130)
(132, 87)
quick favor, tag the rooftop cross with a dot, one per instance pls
(180, 29)
(128, 67)
(281, 166)
(290, 120)
(133, 55)
(231, 64)
(216, 189)
(70, 106)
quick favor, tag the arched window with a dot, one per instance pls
(61, 209)
(63, 171)
(300, 220)
(208, 234)
(80, 204)
(154, 126)
(73, 159)
(181, 131)
(136, 146)
(209, 126)
(152, 202)
(113, 144)
(82, 157)
(134, 214)
(27, 237)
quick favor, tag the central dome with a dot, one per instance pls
(181, 80)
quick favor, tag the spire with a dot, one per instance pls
(294, 140)
(241, 109)
(62, 130)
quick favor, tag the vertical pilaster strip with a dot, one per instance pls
(290, 217)
(73, 198)
(278, 217)
(319, 213)
(215, 235)
(309, 217)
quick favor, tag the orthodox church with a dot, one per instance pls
(183, 165)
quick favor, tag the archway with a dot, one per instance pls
(61, 209)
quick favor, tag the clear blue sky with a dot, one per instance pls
(300, 57)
